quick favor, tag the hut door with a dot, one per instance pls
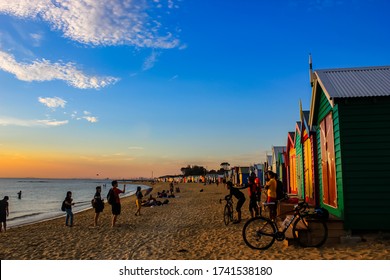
(308, 167)
(329, 195)
(293, 174)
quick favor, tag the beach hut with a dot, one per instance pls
(258, 169)
(277, 160)
(299, 182)
(350, 112)
(308, 141)
(243, 175)
(290, 163)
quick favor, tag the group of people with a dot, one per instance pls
(255, 191)
(98, 204)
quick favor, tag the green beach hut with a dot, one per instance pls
(299, 169)
(350, 112)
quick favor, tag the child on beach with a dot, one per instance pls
(4, 213)
(138, 201)
(98, 204)
(68, 209)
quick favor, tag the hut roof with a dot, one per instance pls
(355, 82)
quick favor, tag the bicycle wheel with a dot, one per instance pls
(259, 233)
(227, 214)
(310, 232)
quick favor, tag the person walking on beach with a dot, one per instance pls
(20, 195)
(98, 204)
(138, 201)
(241, 199)
(68, 209)
(4, 213)
(116, 205)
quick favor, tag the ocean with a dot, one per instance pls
(41, 199)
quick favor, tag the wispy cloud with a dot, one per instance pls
(150, 61)
(31, 123)
(99, 22)
(36, 38)
(44, 70)
(52, 102)
(86, 116)
(174, 77)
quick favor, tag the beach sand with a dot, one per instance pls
(190, 227)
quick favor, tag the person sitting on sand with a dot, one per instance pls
(150, 202)
(4, 213)
(241, 199)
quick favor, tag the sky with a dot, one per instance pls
(141, 88)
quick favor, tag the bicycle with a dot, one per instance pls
(259, 233)
(227, 210)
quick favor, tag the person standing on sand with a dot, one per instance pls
(116, 206)
(271, 194)
(4, 213)
(68, 209)
(240, 196)
(254, 196)
(138, 201)
(98, 204)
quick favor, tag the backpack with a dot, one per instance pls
(111, 197)
(63, 206)
(279, 190)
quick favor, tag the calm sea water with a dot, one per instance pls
(42, 198)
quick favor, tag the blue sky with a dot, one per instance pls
(127, 88)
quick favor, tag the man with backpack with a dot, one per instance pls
(114, 200)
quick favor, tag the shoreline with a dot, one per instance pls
(189, 227)
(63, 214)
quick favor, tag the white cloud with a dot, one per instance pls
(91, 119)
(98, 22)
(53, 103)
(150, 61)
(44, 70)
(30, 123)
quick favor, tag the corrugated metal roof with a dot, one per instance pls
(356, 82)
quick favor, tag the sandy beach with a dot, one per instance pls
(190, 227)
